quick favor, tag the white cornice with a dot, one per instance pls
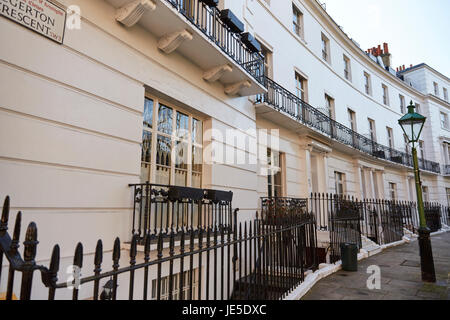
(424, 65)
(437, 100)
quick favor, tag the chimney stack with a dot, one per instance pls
(386, 56)
(383, 54)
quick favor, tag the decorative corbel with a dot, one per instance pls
(172, 41)
(130, 13)
(216, 73)
(233, 89)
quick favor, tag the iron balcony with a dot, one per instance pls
(279, 103)
(197, 30)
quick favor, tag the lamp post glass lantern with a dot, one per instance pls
(108, 288)
(412, 125)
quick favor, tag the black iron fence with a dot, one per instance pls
(434, 215)
(207, 19)
(261, 259)
(382, 221)
(273, 207)
(344, 225)
(284, 101)
(161, 209)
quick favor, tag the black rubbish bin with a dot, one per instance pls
(349, 256)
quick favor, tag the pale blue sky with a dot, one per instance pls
(417, 30)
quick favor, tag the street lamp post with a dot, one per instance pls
(412, 124)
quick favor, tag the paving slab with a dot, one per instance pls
(400, 276)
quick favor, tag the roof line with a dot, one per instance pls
(339, 29)
(421, 65)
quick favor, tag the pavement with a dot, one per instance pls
(400, 276)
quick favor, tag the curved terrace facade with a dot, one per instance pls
(344, 97)
(128, 107)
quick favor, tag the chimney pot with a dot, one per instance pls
(386, 48)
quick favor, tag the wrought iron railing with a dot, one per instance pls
(434, 215)
(344, 225)
(161, 209)
(273, 207)
(370, 210)
(207, 20)
(445, 215)
(446, 169)
(284, 101)
(382, 221)
(255, 260)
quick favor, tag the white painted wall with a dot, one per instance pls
(71, 117)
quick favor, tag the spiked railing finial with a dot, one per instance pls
(5, 216)
(30, 243)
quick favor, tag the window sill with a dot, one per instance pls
(299, 38)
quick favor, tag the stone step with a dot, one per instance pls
(373, 249)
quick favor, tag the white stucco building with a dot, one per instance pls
(104, 107)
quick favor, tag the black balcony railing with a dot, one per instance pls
(446, 169)
(207, 20)
(284, 101)
(273, 207)
(161, 209)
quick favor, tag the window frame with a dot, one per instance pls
(352, 119)
(436, 88)
(297, 28)
(303, 81)
(444, 122)
(347, 68)
(330, 105)
(339, 179)
(421, 151)
(272, 170)
(268, 60)
(418, 107)
(407, 146)
(426, 193)
(390, 137)
(402, 103)
(367, 83)
(393, 191)
(174, 137)
(325, 44)
(385, 91)
(372, 129)
(164, 295)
